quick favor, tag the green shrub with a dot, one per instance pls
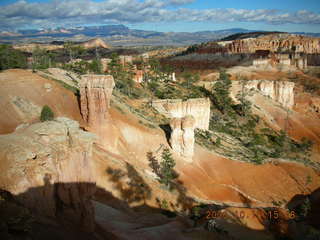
(46, 114)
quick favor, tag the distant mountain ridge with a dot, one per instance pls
(122, 35)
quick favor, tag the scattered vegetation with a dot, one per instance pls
(236, 133)
(11, 58)
(161, 86)
(123, 76)
(144, 110)
(84, 67)
(46, 114)
(42, 59)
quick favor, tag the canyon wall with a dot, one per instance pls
(274, 43)
(280, 91)
(182, 136)
(199, 108)
(48, 168)
(95, 95)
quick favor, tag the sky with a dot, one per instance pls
(163, 15)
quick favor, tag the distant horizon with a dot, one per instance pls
(163, 15)
(128, 26)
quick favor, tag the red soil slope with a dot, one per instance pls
(22, 95)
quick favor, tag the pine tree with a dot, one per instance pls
(46, 114)
(221, 90)
(167, 164)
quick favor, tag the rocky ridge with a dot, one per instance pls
(274, 43)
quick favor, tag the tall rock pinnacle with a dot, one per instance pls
(95, 95)
(182, 136)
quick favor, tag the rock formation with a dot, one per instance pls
(199, 108)
(138, 76)
(182, 136)
(274, 43)
(279, 91)
(47, 167)
(294, 61)
(96, 42)
(95, 95)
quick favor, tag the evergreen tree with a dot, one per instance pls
(167, 164)
(46, 114)
(245, 105)
(221, 90)
(95, 66)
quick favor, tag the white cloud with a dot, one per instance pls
(77, 12)
(180, 2)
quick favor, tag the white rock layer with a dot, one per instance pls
(199, 108)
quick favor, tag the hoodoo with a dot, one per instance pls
(182, 136)
(95, 95)
(199, 108)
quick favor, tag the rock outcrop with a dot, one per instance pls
(274, 43)
(95, 95)
(48, 168)
(94, 43)
(182, 136)
(280, 91)
(199, 108)
(289, 61)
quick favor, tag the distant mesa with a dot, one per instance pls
(93, 43)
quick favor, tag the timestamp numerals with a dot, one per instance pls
(210, 214)
(274, 215)
(268, 215)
